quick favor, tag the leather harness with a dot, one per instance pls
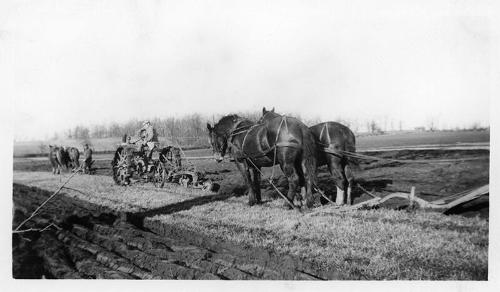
(330, 149)
(246, 131)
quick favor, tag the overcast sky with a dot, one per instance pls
(85, 62)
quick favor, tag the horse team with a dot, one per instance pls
(67, 157)
(285, 141)
(274, 140)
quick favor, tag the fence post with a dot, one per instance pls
(412, 198)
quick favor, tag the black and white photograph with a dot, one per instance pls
(271, 142)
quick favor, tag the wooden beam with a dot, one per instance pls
(469, 197)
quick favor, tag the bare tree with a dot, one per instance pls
(42, 148)
(374, 128)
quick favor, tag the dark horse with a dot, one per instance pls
(331, 139)
(286, 142)
(58, 158)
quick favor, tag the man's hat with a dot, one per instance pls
(145, 122)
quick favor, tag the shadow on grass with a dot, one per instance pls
(477, 207)
(137, 218)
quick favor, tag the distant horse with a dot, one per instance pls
(286, 142)
(333, 138)
(87, 159)
(58, 158)
(74, 158)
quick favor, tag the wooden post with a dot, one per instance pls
(412, 197)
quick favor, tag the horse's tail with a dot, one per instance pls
(309, 156)
(351, 148)
(353, 161)
(52, 157)
(75, 156)
(61, 158)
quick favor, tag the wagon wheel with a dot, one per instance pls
(139, 165)
(121, 173)
(160, 175)
(122, 176)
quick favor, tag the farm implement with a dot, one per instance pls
(132, 163)
(445, 204)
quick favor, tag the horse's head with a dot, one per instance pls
(268, 115)
(219, 134)
(218, 141)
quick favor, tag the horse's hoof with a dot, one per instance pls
(309, 204)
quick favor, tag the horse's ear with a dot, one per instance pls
(272, 110)
(209, 127)
(264, 111)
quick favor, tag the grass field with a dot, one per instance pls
(384, 243)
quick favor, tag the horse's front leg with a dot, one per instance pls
(256, 184)
(350, 182)
(245, 172)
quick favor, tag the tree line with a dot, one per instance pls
(191, 129)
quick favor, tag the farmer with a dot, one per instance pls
(148, 137)
(87, 159)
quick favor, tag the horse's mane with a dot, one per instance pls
(225, 124)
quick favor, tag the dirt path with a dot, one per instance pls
(96, 242)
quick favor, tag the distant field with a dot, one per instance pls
(363, 142)
(422, 138)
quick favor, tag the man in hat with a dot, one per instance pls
(148, 137)
(87, 159)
